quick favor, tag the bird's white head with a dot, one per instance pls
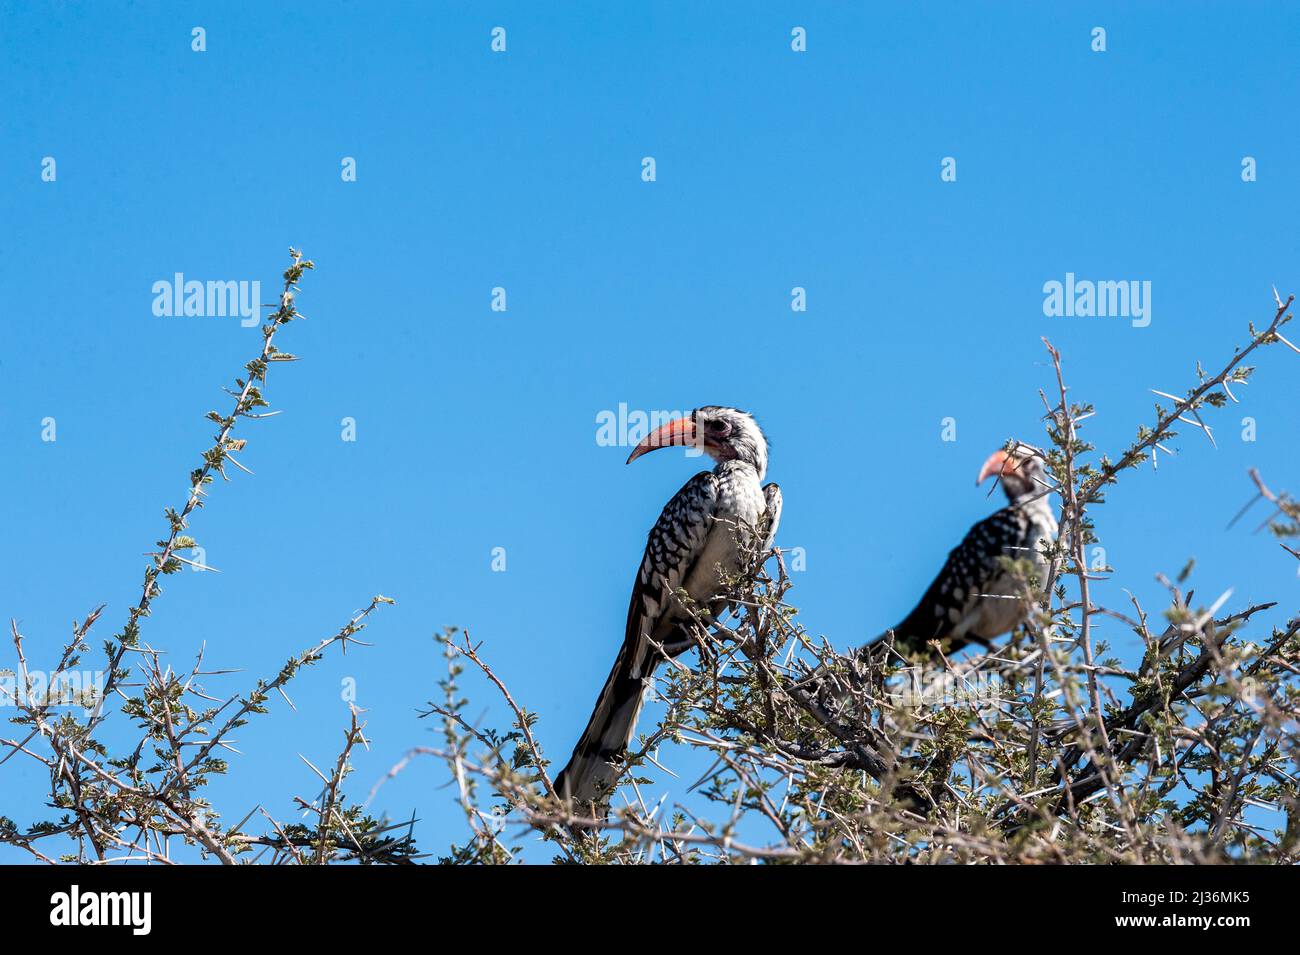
(1022, 471)
(724, 434)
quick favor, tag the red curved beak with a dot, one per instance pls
(999, 462)
(680, 431)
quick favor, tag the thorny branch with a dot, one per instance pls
(136, 803)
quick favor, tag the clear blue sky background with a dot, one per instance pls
(477, 429)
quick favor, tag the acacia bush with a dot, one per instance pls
(130, 805)
(1042, 749)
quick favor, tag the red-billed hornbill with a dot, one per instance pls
(701, 536)
(975, 598)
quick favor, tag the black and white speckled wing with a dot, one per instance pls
(951, 606)
(771, 514)
(673, 549)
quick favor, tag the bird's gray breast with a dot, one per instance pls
(739, 510)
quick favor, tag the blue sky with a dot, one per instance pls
(476, 429)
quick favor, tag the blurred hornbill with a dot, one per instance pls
(974, 599)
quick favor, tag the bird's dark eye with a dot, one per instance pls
(718, 427)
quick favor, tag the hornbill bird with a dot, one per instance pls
(701, 537)
(974, 599)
